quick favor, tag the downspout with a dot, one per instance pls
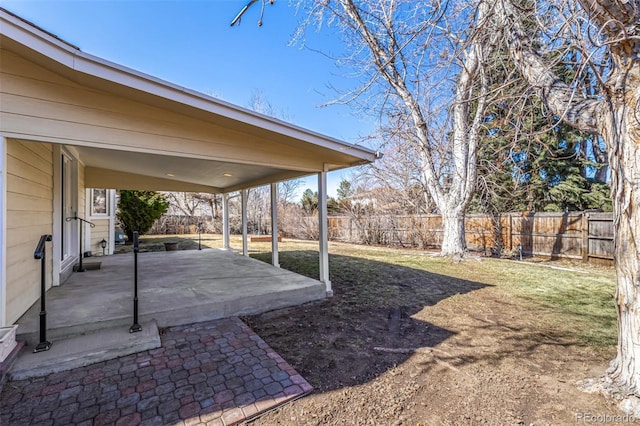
(3, 231)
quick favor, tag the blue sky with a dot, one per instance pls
(191, 43)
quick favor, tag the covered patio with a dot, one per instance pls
(73, 123)
(175, 288)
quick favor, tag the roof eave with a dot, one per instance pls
(75, 60)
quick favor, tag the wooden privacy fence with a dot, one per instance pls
(577, 235)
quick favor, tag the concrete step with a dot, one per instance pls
(86, 349)
(5, 366)
(87, 266)
(54, 334)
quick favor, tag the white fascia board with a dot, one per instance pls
(110, 71)
(64, 53)
(24, 33)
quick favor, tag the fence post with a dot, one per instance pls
(585, 237)
(350, 229)
(510, 232)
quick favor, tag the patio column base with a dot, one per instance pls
(329, 293)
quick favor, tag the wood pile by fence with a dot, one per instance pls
(577, 235)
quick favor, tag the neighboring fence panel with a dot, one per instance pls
(600, 244)
(575, 235)
(548, 234)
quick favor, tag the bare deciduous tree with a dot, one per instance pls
(184, 203)
(288, 191)
(423, 67)
(259, 103)
(399, 172)
(608, 36)
(212, 201)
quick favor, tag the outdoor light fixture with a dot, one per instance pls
(103, 244)
(227, 174)
(170, 174)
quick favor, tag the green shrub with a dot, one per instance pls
(137, 210)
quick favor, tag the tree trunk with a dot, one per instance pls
(622, 133)
(614, 117)
(453, 237)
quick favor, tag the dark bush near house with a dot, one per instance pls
(138, 210)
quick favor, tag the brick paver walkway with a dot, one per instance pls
(213, 373)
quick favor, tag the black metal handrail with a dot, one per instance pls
(91, 224)
(40, 254)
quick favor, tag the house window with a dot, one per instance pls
(99, 206)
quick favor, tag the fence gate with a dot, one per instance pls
(599, 245)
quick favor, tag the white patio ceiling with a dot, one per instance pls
(135, 170)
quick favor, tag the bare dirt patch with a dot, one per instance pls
(407, 340)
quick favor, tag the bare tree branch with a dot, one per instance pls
(238, 17)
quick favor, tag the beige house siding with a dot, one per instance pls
(29, 215)
(64, 111)
(100, 231)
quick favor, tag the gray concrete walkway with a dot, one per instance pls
(178, 287)
(214, 373)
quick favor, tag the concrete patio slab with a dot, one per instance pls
(86, 349)
(216, 372)
(178, 287)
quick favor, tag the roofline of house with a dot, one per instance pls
(70, 56)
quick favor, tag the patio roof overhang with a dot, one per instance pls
(181, 140)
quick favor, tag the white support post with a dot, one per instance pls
(57, 231)
(86, 228)
(225, 222)
(245, 248)
(274, 225)
(111, 248)
(3, 232)
(323, 234)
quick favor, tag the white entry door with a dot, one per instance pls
(69, 204)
